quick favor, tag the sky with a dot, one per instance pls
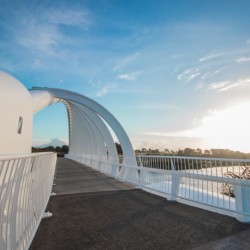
(175, 73)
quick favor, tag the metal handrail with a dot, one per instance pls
(25, 188)
(196, 180)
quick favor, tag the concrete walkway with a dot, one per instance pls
(93, 211)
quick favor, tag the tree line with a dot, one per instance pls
(61, 151)
(214, 153)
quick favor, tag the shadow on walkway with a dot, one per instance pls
(119, 217)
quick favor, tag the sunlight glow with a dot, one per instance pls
(226, 128)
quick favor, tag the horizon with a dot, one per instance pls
(175, 74)
(60, 142)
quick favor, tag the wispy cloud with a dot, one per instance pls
(243, 59)
(158, 106)
(189, 74)
(41, 38)
(230, 86)
(128, 77)
(227, 85)
(210, 56)
(105, 90)
(217, 85)
(239, 83)
(209, 74)
(42, 33)
(125, 61)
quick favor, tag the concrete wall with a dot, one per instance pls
(15, 116)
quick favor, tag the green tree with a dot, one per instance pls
(189, 152)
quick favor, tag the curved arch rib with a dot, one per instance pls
(90, 139)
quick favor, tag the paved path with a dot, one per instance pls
(93, 211)
(73, 178)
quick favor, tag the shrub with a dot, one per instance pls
(228, 189)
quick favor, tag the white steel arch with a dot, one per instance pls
(89, 137)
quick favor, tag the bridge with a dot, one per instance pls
(172, 190)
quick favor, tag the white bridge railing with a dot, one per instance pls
(25, 188)
(215, 184)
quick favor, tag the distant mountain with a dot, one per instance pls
(56, 142)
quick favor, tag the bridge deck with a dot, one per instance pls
(93, 211)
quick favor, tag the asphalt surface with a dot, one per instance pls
(93, 211)
(73, 178)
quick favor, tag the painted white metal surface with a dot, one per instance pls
(88, 133)
(15, 117)
(25, 187)
(194, 181)
(41, 99)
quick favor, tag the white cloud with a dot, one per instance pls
(217, 85)
(244, 81)
(39, 37)
(219, 70)
(226, 85)
(209, 57)
(157, 106)
(226, 88)
(189, 74)
(228, 128)
(243, 59)
(239, 83)
(42, 33)
(125, 61)
(213, 73)
(129, 77)
(105, 90)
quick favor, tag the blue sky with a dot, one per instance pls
(175, 73)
